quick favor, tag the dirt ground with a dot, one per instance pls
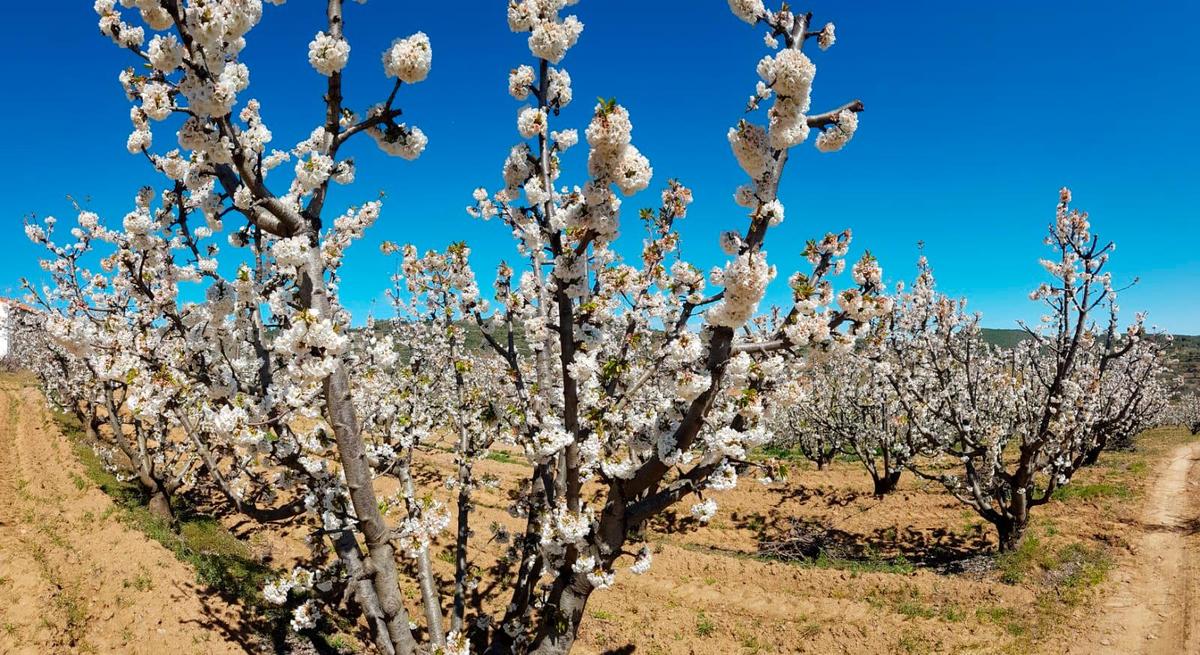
(910, 573)
(73, 579)
(1151, 606)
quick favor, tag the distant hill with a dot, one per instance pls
(1184, 350)
(472, 338)
(1003, 337)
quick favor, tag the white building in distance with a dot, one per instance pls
(8, 310)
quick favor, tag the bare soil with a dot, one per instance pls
(73, 578)
(1151, 606)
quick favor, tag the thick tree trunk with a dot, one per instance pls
(380, 553)
(359, 478)
(886, 484)
(160, 505)
(1010, 534)
(1011, 527)
(363, 591)
(561, 628)
(563, 612)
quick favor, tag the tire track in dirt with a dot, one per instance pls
(73, 579)
(1153, 609)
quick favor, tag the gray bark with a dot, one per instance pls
(353, 455)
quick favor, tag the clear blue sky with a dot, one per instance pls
(977, 112)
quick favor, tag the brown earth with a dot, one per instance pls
(74, 579)
(1152, 605)
(909, 573)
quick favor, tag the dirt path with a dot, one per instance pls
(73, 579)
(1153, 608)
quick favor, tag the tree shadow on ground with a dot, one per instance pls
(800, 540)
(831, 497)
(239, 624)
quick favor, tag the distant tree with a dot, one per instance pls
(842, 404)
(1185, 412)
(1003, 429)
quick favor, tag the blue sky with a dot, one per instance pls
(977, 112)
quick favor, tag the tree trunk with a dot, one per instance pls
(91, 429)
(563, 611)
(352, 453)
(363, 592)
(1011, 527)
(87, 421)
(567, 602)
(430, 600)
(529, 568)
(886, 484)
(1010, 535)
(160, 501)
(160, 505)
(462, 535)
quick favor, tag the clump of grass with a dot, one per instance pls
(915, 609)
(1005, 617)
(141, 582)
(1015, 565)
(909, 602)
(1080, 567)
(810, 629)
(1063, 577)
(503, 457)
(222, 562)
(341, 644)
(1092, 491)
(953, 613)
(1069, 570)
(914, 643)
(780, 453)
(704, 625)
(871, 563)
